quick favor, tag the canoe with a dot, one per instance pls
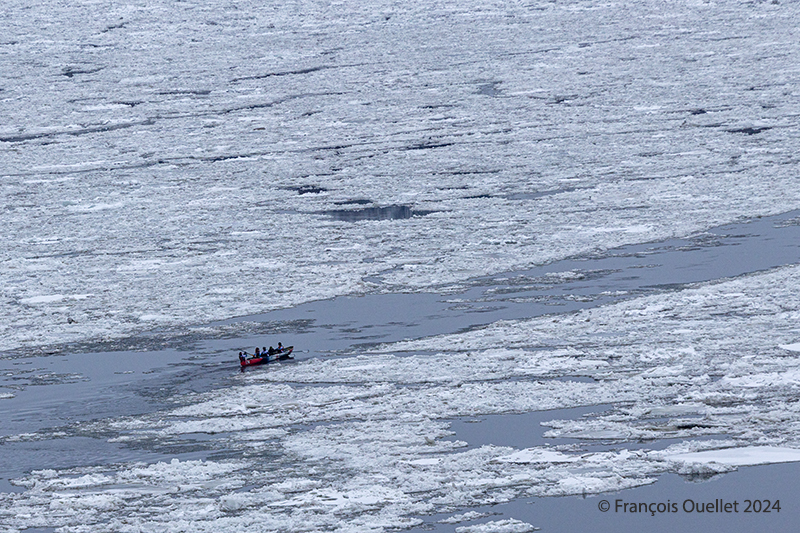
(283, 356)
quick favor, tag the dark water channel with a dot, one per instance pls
(56, 391)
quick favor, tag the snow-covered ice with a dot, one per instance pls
(745, 456)
(165, 164)
(155, 154)
(498, 526)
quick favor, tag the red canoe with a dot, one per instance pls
(285, 354)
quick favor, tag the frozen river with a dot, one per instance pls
(525, 251)
(62, 415)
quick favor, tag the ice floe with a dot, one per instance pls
(744, 456)
(537, 456)
(498, 526)
(463, 517)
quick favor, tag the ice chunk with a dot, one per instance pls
(510, 525)
(463, 517)
(52, 298)
(745, 456)
(537, 455)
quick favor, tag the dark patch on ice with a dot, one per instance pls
(72, 71)
(218, 158)
(357, 201)
(82, 131)
(391, 212)
(114, 27)
(700, 477)
(698, 111)
(427, 146)
(751, 131)
(692, 425)
(308, 189)
(574, 379)
(586, 44)
(198, 92)
(465, 173)
(560, 99)
(490, 89)
(264, 105)
(335, 147)
(282, 73)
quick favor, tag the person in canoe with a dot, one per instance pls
(265, 355)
